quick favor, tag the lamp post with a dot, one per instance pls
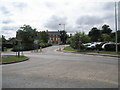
(116, 26)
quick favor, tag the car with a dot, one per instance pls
(103, 46)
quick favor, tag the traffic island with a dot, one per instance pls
(9, 59)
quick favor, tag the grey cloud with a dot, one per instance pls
(7, 21)
(89, 20)
(50, 4)
(109, 17)
(4, 10)
(19, 5)
(9, 28)
(54, 21)
(109, 6)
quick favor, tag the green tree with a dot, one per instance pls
(95, 34)
(77, 40)
(44, 36)
(63, 36)
(105, 37)
(118, 34)
(4, 42)
(106, 29)
(27, 34)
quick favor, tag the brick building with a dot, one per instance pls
(54, 37)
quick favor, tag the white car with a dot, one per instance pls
(103, 46)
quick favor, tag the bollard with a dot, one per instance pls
(40, 49)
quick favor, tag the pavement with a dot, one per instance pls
(53, 69)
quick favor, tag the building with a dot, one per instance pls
(54, 37)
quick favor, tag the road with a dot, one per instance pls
(54, 69)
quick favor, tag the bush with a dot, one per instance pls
(43, 45)
(6, 46)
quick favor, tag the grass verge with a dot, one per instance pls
(69, 48)
(6, 59)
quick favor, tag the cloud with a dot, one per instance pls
(19, 5)
(50, 5)
(54, 21)
(89, 20)
(9, 31)
(7, 21)
(109, 6)
(6, 28)
(4, 10)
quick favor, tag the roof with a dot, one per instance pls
(54, 32)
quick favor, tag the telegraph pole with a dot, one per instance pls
(116, 26)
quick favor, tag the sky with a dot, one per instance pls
(77, 15)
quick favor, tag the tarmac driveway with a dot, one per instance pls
(53, 69)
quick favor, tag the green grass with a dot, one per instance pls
(12, 58)
(69, 48)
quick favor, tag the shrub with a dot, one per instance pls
(43, 45)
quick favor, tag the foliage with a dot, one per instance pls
(69, 40)
(94, 34)
(118, 35)
(42, 36)
(27, 34)
(6, 44)
(43, 44)
(77, 40)
(63, 36)
(106, 29)
(105, 37)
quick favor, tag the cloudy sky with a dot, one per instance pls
(48, 14)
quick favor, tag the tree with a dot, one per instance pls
(77, 40)
(42, 36)
(94, 34)
(27, 35)
(63, 36)
(4, 42)
(112, 35)
(106, 29)
(105, 37)
(118, 34)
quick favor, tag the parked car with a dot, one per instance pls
(103, 46)
(92, 45)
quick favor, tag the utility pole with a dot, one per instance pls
(116, 26)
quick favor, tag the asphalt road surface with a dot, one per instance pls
(53, 69)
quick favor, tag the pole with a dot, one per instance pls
(64, 36)
(116, 27)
